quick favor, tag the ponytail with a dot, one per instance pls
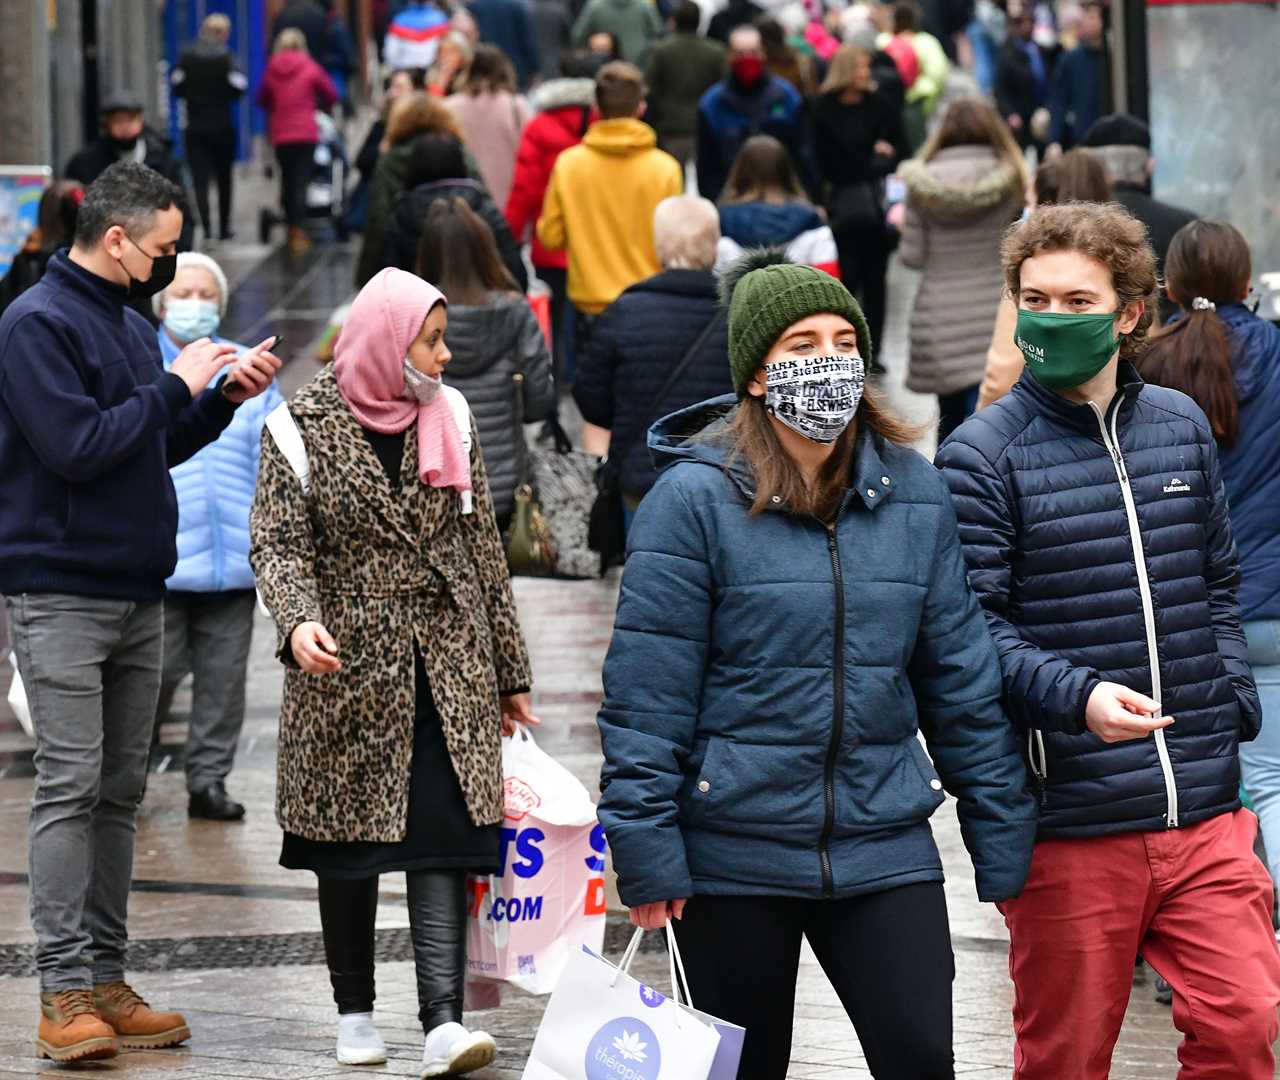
(1208, 264)
(1194, 355)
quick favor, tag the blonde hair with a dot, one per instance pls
(840, 72)
(291, 40)
(686, 232)
(417, 113)
(216, 27)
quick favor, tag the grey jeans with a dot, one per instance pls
(92, 672)
(208, 635)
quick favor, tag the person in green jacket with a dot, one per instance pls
(681, 69)
(925, 92)
(634, 24)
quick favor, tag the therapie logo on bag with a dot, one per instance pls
(624, 1049)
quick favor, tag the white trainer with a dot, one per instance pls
(452, 1050)
(358, 1040)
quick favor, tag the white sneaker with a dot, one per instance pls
(358, 1040)
(452, 1050)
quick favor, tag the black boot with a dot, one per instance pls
(214, 804)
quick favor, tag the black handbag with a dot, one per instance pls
(860, 206)
(607, 529)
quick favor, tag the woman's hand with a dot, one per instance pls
(656, 915)
(884, 148)
(517, 709)
(314, 649)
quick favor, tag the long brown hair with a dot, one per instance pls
(490, 71)
(417, 113)
(970, 121)
(776, 473)
(459, 255)
(1207, 261)
(762, 168)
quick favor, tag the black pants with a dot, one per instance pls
(557, 281)
(211, 157)
(295, 161)
(888, 955)
(437, 926)
(864, 264)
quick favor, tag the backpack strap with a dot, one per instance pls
(284, 430)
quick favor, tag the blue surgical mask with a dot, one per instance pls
(191, 318)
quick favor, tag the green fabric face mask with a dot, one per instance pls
(1066, 350)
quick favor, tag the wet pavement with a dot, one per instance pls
(222, 932)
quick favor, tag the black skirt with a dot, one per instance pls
(440, 834)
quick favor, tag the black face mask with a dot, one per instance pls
(124, 145)
(163, 270)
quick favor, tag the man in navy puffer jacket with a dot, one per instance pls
(1095, 528)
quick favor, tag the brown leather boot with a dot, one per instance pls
(72, 1030)
(138, 1026)
(299, 240)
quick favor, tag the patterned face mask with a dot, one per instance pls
(421, 388)
(816, 397)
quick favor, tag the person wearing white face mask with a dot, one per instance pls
(794, 613)
(209, 601)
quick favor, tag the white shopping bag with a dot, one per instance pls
(548, 899)
(602, 1024)
(18, 699)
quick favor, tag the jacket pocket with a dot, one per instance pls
(755, 784)
(886, 784)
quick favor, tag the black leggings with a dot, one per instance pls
(888, 955)
(437, 925)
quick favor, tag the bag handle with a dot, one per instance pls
(518, 381)
(670, 381)
(680, 986)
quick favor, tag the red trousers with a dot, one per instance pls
(1195, 902)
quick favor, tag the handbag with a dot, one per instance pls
(528, 540)
(565, 480)
(607, 531)
(860, 205)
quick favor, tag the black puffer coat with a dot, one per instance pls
(490, 344)
(639, 339)
(410, 215)
(1047, 517)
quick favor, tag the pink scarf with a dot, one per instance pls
(369, 366)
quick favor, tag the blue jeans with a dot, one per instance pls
(1260, 759)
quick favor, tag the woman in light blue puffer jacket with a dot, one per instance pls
(209, 605)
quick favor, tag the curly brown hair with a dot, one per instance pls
(420, 113)
(1106, 232)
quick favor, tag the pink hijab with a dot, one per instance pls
(369, 366)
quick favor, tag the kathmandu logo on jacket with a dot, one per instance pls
(1177, 487)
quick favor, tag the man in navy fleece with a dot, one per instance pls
(90, 424)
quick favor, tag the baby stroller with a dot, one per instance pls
(327, 188)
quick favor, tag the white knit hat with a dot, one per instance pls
(195, 258)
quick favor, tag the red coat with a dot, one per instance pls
(565, 110)
(293, 87)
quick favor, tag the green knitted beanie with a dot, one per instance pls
(765, 293)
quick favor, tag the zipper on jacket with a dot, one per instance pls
(837, 716)
(1036, 755)
(1111, 440)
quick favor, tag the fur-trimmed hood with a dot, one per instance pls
(961, 182)
(563, 93)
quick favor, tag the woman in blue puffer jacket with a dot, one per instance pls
(1227, 359)
(794, 612)
(208, 611)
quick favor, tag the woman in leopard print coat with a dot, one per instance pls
(404, 657)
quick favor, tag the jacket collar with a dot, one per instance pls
(108, 297)
(695, 283)
(1082, 417)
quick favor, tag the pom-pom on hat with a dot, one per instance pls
(765, 293)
